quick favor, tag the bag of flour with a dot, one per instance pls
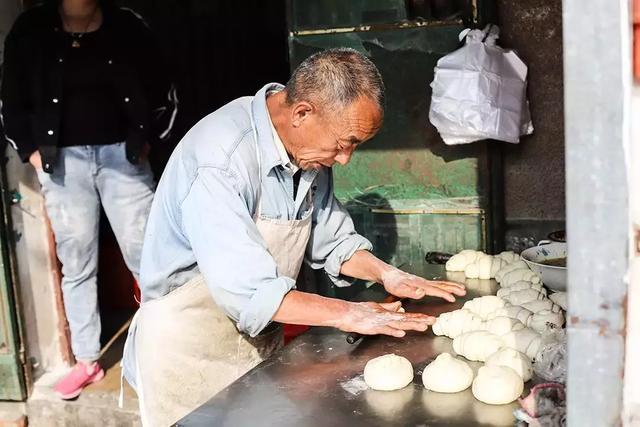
(479, 92)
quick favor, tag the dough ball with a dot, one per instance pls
(482, 287)
(546, 321)
(388, 372)
(514, 312)
(497, 264)
(497, 385)
(470, 255)
(456, 322)
(447, 374)
(460, 261)
(485, 264)
(522, 296)
(520, 274)
(541, 305)
(525, 340)
(484, 306)
(508, 256)
(503, 325)
(510, 267)
(457, 262)
(512, 359)
(480, 268)
(559, 298)
(477, 345)
(472, 271)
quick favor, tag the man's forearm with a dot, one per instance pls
(301, 308)
(366, 266)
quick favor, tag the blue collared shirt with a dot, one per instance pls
(201, 220)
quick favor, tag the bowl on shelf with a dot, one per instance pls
(549, 261)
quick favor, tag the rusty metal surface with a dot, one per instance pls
(317, 381)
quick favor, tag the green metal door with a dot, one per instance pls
(12, 375)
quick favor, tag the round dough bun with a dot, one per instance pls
(388, 372)
(497, 385)
(512, 359)
(446, 374)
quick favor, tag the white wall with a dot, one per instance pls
(632, 368)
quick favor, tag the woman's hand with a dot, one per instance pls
(36, 160)
(405, 285)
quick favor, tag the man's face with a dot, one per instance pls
(323, 139)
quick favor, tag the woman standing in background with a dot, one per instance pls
(83, 97)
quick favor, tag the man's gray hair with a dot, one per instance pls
(335, 78)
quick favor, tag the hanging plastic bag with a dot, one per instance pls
(479, 92)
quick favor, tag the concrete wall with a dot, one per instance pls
(534, 169)
(631, 415)
(38, 286)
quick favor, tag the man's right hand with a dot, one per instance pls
(35, 159)
(370, 318)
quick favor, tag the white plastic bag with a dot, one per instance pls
(479, 92)
(551, 360)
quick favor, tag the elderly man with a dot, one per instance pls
(245, 197)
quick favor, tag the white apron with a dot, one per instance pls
(187, 349)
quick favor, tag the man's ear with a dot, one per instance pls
(300, 112)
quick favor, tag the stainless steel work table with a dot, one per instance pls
(317, 381)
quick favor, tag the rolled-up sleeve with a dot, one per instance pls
(230, 252)
(333, 238)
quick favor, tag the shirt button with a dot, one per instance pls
(126, 99)
(46, 165)
(141, 126)
(55, 100)
(49, 132)
(60, 59)
(110, 62)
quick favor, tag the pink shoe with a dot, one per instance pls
(80, 376)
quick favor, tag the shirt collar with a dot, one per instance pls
(282, 151)
(269, 152)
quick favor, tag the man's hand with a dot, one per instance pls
(36, 160)
(370, 318)
(405, 285)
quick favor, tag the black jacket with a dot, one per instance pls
(33, 68)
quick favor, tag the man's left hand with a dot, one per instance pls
(406, 285)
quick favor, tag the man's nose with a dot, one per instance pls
(344, 156)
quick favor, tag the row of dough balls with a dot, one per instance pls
(541, 315)
(478, 265)
(504, 331)
(507, 267)
(485, 324)
(499, 382)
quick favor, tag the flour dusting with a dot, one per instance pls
(354, 386)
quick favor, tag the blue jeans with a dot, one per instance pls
(85, 177)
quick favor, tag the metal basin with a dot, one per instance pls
(554, 277)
